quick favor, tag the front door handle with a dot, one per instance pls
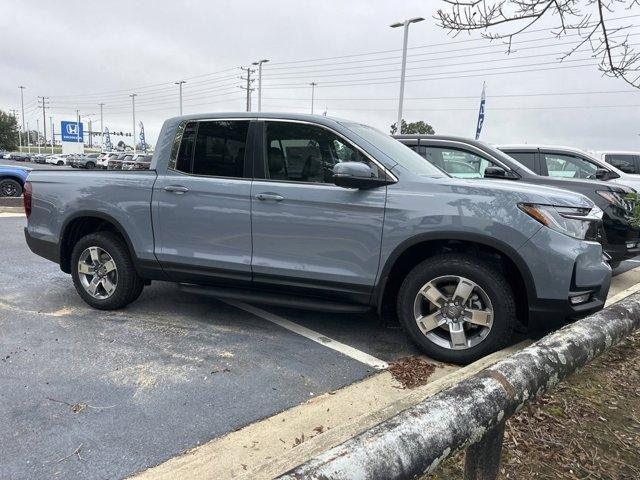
(270, 196)
(177, 189)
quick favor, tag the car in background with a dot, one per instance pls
(116, 163)
(628, 162)
(41, 159)
(39, 156)
(18, 157)
(12, 180)
(88, 161)
(103, 158)
(568, 162)
(620, 239)
(58, 159)
(138, 162)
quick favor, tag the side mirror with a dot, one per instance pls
(603, 174)
(356, 175)
(495, 171)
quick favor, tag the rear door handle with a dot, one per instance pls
(178, 189)
(270, 196)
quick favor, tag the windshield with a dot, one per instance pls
(396, 150)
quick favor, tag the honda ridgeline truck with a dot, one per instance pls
(314, 212)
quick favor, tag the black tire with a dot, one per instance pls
(614, 264)
(60, 163)
(90, 166)
(10, 188)
(485, 276)
(129, 285)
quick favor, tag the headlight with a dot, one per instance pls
(576, 222)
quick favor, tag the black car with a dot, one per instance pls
(466, 158)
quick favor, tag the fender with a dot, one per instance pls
(502, 247)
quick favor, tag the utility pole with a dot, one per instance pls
(44, 100)
(53, 136)
(22, 102)
(259, 64)
(180, 83)
(28, 139)
(133, 105)
(313, 91)
(404, 24)
(248, 88)
(14, 112)
(78, 128)
(38, 134)
(101, 128)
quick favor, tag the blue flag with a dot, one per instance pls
(481, 112)
(143, 143)
(107, 141)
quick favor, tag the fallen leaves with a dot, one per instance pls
(412, 372)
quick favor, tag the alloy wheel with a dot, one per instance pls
(97, 272)
(453, 312)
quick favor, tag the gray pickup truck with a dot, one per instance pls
(314, 212)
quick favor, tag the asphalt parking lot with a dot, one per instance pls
(91, 394)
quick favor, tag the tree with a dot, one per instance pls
(420, 127)
(581, 19)
(8, 132)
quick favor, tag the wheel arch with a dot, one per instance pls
(7, 176)
(84, 223)
(420, 247)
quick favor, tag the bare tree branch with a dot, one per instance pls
(505, 19)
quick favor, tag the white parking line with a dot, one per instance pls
(10, 215)
(354, 353)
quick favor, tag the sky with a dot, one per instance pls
(80, 54)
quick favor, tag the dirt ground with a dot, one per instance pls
(587, 428)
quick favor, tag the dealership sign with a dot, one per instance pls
(71, 131)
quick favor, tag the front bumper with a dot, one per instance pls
(562, 267)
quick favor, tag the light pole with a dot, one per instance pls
(313, 91)
(133, 105)
(259, 64)
(180, 83)
(38, 135)
(53, 136)
(404, 24)
(101, 128)
(78, 129)
(22, 103)
(28, 139)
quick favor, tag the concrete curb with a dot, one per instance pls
(417, 440)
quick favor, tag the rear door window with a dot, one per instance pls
(528, 159)
(569, 166)
(625, 162)
(220, 148)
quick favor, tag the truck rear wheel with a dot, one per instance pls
(457, 308)
(103, 272)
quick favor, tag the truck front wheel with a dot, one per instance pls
(103, 272)
(457, 308)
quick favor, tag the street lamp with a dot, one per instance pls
(180, 83)
(313, 94)
(259, 64)
(404, 24)
(133, 106)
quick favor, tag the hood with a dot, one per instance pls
(531, 193)
(576, 183)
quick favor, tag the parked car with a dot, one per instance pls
(568, 162)
(38, 156)
(116, 163)
(104, 158)
(18, 157)
(138, 162)
(628, 162)
(12, 180)
(87, 161)
(313, 212)
(619, 238)
(58, 159)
